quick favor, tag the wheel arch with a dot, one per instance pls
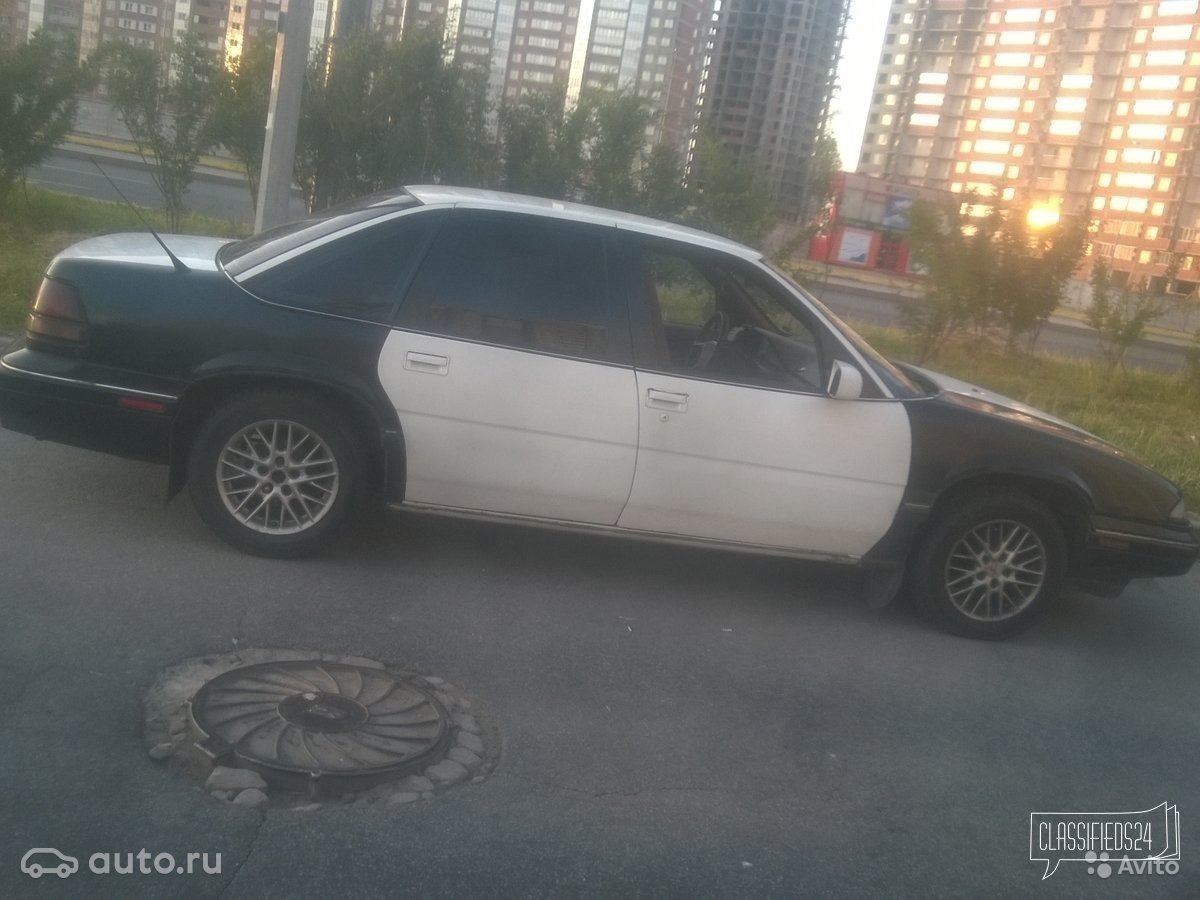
(1062, 492)
(383, 440)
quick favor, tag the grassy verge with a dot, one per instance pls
(1155, 418)
(37, 224)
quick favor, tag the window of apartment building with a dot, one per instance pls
(1004, 126)
(1023, 16)
(1141, 131)
(1177, 7)
(1166, 58)
(1156, 83)
(1065, 127)
(1070, 104)
(1015, 38)
(1153, 107)
(1006, 82)
(1012, 60)
(1002, 104)
(1172, 33)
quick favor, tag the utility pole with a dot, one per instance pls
(283, 115)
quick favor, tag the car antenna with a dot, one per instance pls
(175, 260)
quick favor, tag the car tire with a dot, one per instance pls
(34, 871)
(989, 565)
(258, 475)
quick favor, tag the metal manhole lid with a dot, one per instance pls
(320, 719)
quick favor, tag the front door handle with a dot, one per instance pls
(430, 363)
(666, 400)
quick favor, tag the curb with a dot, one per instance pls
(203, 173)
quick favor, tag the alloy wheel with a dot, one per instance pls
(277, 477)
(996, 570)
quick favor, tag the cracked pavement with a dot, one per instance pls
(674, 722)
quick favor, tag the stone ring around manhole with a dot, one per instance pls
(295, 728)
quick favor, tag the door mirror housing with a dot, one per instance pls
(845, 382)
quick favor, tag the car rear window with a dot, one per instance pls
(241, 256)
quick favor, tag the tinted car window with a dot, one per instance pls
(241, 256)
(521, 281)
(360, 275)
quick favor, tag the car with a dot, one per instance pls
(471, 353)
(42, 860)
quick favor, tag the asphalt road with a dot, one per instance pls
(72, 174)
(877, 308)
(674, 722)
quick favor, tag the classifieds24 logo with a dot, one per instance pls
(1145, 842)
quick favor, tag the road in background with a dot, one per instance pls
(1064, 338)
(674, 722)
(220, 196)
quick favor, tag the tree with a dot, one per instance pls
(166, 101)
(39, 82)
(376, 115)
(240, 113)
(1120, 315)
(619, 123)
(1031, 271)
(821, 175)
(956, 258)
(661, 191)
(729, 198)
(542, 146)
(986, 271)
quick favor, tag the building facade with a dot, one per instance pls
(772, 77)
(760, 70)
(1053, 107)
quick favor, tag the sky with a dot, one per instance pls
(856, 75)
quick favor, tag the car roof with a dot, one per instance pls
(478, 198)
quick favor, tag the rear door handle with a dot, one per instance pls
(666, 400)
(430, 363)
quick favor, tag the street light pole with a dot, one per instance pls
(283, 115)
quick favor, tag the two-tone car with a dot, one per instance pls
(472, 353)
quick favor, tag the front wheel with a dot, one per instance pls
(989, 565)
(273, 473)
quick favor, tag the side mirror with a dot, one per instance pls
(845, 382)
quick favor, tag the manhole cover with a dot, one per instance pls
(300, 722)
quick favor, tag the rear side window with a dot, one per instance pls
(360, 276)
(527, 282)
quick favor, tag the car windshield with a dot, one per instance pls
(240, 256)
(901, 384)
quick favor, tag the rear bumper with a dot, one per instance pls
(83, 413)
(1118, 551)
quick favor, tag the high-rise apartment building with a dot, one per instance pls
(652, 47)
(20, 19)
(771, 83)
(1055, 107)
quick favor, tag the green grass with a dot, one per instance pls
(36, 224)
(1153, 417)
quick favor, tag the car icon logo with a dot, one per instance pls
(42, 860)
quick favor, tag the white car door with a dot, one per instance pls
(725, 458)
(510, 372)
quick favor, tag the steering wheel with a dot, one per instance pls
(711, 334)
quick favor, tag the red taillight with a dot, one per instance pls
(57, 313)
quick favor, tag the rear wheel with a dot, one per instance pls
(989, 565)
(273, 473)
